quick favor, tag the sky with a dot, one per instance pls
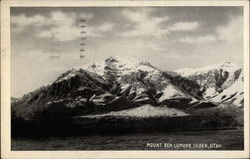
(45, 41)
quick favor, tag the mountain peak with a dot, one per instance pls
(226, 66)
(67, 75)
(112, 59)
(230, 64)
(122, 60)
(120, 65)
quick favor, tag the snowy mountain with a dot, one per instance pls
(120, 67)
(128, 86)
(139, 80)
(220, 84)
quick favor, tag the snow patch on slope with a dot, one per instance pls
(233, 94)
(143, 112)
(171, 92)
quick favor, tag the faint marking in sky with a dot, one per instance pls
(83, 38)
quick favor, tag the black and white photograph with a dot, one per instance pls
(97, 78)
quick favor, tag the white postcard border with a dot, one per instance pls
(5, 85)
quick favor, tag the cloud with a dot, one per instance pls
(230, 32)
(149, 45)
(60, 25)
(184, 26)
(200, 39)
(64, 27)
(144, 23)
(61, 33)
(86, 16)
(22, 21)
(106, 27)
(155, 47)
(233, 31)
(147, 25)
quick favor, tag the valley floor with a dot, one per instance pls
(182, 140)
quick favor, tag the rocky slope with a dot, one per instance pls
(221, 84)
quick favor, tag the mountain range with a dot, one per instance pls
(131, 88)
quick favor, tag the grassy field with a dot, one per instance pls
(225, 140)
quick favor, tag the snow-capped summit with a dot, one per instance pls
(67, 75)
(120, 66)
(226, 66)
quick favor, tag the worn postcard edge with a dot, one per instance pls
(5, 85)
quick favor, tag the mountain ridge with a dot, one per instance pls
(219, 82)
(119, 83)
